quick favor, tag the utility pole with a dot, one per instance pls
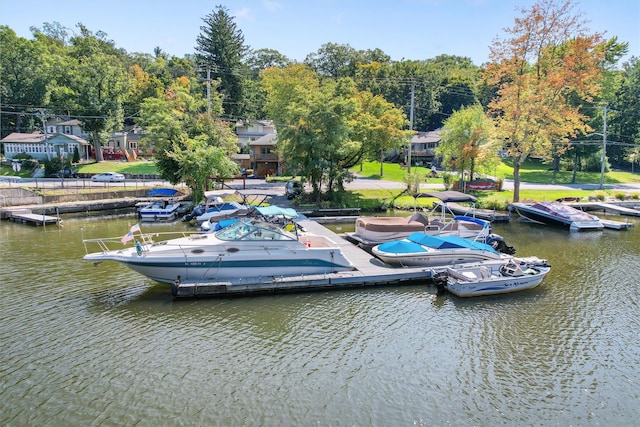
(413, 90)
(209, 90)
(46, 140)
(604, 146)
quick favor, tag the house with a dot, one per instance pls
(257, 141)
(264, 157)
(45, 147)
(249, 131)
(124, 144)
(423, 145)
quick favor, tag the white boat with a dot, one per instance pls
(420, 249)
(492, 278)
(217, 206)
(249, 248)
(556, 213)
(160, 210)
(373, 230)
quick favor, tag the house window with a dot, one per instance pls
(265, 150)
(67, 129)
(51, 129)
(133, 145)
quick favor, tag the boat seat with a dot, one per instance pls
(512, 269)
(484, 272)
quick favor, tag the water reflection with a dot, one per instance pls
(103, 345)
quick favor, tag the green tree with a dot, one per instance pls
(190, 144)
(546, 61)
(468, 141)
(327, 126)
(23, 80)
(220, 51)
(90, 84)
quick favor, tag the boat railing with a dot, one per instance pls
(107, 244)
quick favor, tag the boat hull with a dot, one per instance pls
(584, 222)
(496, 283)
(435, 258)
(200, 258)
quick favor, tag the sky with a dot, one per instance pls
(403, 29)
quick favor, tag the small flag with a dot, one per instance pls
(129, 236)
(126, 238)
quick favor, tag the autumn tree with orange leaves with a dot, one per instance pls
(546, 62)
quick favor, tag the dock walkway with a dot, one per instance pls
(26, 216)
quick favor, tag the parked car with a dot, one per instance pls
(66, 173)
(108, 177)
(292, 189)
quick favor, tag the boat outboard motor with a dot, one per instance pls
(197, 211)
(497, 242)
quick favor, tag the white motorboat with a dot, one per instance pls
(372, 230)
(556, 213)
(420, 249)
(160, 210)
(249, 248)
(491, 278)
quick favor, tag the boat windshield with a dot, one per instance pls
(248, 229)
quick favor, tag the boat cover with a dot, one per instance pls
(163, 192)
(471, 219)
(276, 210)
(447, 242)
(401, 247)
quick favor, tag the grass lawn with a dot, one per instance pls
(135, 168)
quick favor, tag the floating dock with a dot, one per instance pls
(370, 272)
(616, 225)
(26, 216)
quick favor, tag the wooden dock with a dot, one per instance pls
(369, 272)
(26, 216)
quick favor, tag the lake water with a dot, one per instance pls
(85, 345)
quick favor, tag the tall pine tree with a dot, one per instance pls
(220, 51)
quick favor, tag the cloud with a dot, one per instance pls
(272, 6)
(244, 14)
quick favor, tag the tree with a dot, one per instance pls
(190, 144)
(468, 141)
(90, 83)
(23, 80)
(546, 58)
(626, 122)
(220, 50)
(326, 126)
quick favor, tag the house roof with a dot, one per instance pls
(25, 138)
(38, 137)
(72, 122)
(268, 139)
(427, 137)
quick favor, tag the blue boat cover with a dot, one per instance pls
(224, 223)
(163, 192)
(471, 219)
(447, 242)
(401, 247)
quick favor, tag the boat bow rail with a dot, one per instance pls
(106, 244)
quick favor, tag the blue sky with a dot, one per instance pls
(403, 29)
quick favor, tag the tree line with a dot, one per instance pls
(541, 94)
